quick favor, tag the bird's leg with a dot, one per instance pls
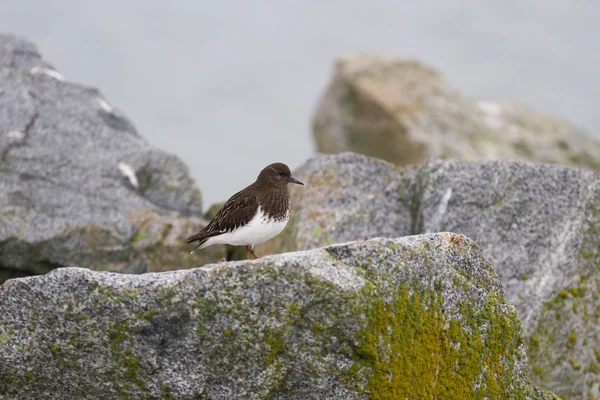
(247, 252)
(252, 252)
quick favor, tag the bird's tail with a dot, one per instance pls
(198, 236)
(201, 238)
(196, 248)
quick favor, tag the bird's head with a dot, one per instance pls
(277, 174)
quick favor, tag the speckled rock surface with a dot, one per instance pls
(416, 317)
(538, 224)
(65, 194)
(402, 111)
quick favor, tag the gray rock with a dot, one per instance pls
(78, 184)
(402, 111)
(417, 317)
(538, 224)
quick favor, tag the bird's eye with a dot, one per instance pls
(281, 173)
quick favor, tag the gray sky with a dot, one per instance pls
(230, 86)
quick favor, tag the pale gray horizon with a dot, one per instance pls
(230, 86)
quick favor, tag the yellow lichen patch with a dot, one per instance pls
(4, 338)
(409, 351)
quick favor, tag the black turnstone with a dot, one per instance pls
(253, 215)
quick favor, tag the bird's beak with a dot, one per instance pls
(291, 179)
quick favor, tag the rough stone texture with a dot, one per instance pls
(403, 112)
(417, 317)
(64, 199)
(538, 224)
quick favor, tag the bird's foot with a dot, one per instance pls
(251, 250)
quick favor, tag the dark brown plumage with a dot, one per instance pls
(261, 208)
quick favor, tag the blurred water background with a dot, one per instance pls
(230, 86)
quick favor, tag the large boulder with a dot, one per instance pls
(402, 111)
(78, 184)
(412, 318)
(538, 224)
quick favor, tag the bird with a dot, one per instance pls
(253, 215)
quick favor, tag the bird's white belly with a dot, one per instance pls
(258, 230)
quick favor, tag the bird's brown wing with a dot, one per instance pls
(235, 213)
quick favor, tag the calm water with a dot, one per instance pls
(230, 86)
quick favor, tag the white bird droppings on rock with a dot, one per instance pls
(129, 173)
(47, 71)
(490, 108)
(104, 105)
(493, 113)
(15, 135)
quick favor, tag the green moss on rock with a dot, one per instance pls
(4, 338)
(381, 319)
(409, 337)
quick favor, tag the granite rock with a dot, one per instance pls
(78, 184)
(538, 224)
(416, 317)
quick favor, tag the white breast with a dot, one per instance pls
(258, 230)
